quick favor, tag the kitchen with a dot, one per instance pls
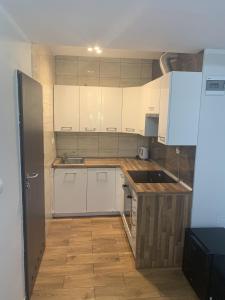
(119, 196)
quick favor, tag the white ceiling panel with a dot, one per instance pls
(142, 25)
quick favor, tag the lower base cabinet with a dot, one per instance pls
(86, 190)
(101, 190)
(161, 222)
(70, 187)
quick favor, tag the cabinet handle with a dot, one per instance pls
(134, 213)
(90, 129)
(66, 128)
(151, 108)
(70, 177)
(111, 129)
(130, 129)
(162, 138)
(70, 173)
(101, 173)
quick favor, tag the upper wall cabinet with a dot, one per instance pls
(131, 109)
(179, 108)
(66, 108)
(90, 108)
(111, 111)
(151, 97)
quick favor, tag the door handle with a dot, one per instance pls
(33, 176)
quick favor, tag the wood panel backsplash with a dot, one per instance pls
(99, 144)
(95, 71)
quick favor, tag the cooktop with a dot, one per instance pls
(156, 176)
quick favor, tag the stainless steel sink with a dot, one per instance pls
(73, 160)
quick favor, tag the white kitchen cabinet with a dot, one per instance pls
(90, 108)
(131, 112)
(111, 111)
(66, 108)
(101, 190)
(149, 116)
(154, 93)
(179, 108)
(70, 187)
(151, 97)
(120, 179)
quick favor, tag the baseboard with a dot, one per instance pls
(91, 214)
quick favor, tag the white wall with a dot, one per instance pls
(15, 53)
(43, 70)
(209, 183)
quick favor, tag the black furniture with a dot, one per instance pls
(203, 247)
(218, 278)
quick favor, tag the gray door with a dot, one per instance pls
(32, 168)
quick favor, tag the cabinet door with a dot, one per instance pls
(119, 191)
(66, 108)
(163, 110)
(111, 113)
(70, 187)
(101, 190)
(131, 112)
(154, 88)
(90, 108)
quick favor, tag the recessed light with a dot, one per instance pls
(97, 48)
(99, 51)
(90, 49)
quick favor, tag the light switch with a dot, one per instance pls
(1, 186)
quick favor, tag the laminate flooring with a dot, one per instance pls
(90, 258)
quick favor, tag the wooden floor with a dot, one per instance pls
(89, 258)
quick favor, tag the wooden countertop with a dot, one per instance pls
(128, 164)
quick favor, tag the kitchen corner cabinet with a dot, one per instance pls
(154, 87)
(161, 219)
(101, 190)
(151, 97)
(111, 109)
(131, 110)
(70, 191)
(179, 108)
(90, 108)
(66, 108)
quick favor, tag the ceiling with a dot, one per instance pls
(134, 25)
(115, 53)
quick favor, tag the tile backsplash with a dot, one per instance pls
(180, 164)
(95, 71)
(126, 145)
(99, 144)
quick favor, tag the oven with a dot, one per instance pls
(129, 216)
(127, 213)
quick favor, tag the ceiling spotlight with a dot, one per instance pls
(90, 49)
(99, 51)
(97, 48)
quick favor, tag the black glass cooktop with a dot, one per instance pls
(156, 176)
